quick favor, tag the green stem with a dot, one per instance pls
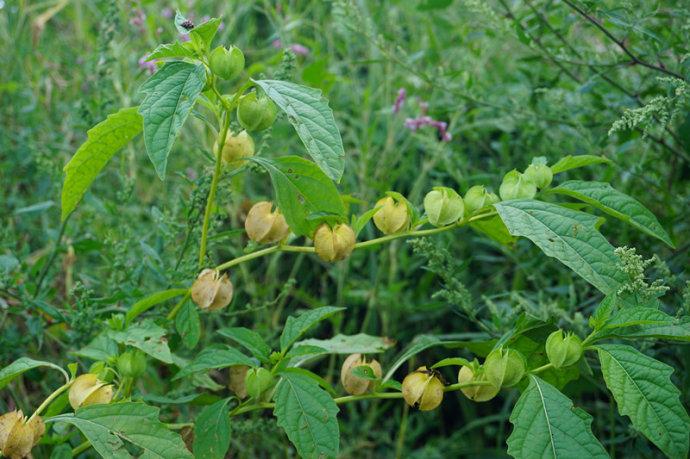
(81, 448)
(359, 245)
(50, 398)
(214, 187)
(173, 312)
(542, 368)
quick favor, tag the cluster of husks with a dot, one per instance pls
(356, 385)
(265, 225)
(393, 216)
(237, 149)
(423, 389)
(244, 381)
(211, 290)
(87, 389)
(18, 434)
(563, 350)
(518, 185)
(334, 243)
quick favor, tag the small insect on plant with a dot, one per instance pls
(108, 408)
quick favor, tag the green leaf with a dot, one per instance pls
(567, 235)
(22, 365)
(103, 141)
(170, 50)
(360, 222)
(360, 343)
(146, 336)
(643, 391)
(546, 425)
(297, 326)
(170, 95)
(107, 427)
(212, 431)
(188, 325)
(619, 205)
(203, 34)
(302, 189)
(573, 162)
(495, 229)
(214, 358)
(419, 344)
(673, 330)
(250, 340)
(150, 301)
(308, 415)
(100, 348)
(309, 113)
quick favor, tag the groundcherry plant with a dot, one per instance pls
(308, 215)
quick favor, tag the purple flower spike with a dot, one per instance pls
(149, 66)
(300, 50)
(402, 94)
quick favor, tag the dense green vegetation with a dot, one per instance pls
(414, 95)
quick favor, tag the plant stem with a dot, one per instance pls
(56, 248)
(50, 398)
(542, 368)
(173, 312)
(359, 245)
(81, 448)
(210, 200)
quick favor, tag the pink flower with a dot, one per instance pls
(148, 66)
(277, 43)
(441, 126)
(300, 50)
(402, 94)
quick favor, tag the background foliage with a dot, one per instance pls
(513, 79)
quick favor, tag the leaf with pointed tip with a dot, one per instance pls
(307, 413)
(22, 365)
(567, 235)
(170, 95)
(213, 358)
(309, 113)
(644, 392)
(572, 162)
(212, 431)
(250, 340)
(619, 205)
(547, 425)
(108, 426)
(296, 326)
(103, 141)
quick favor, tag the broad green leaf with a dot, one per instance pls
(638, 315)
(419, 344)
(212, 431)
(301, 190)
(619, 205)
(22, 365)
(103, 141)
(495, 229)
(170, 95)
(567, 235)
(202, 35)
(107, 427)
(678, 330)
(214, 358)
(188, 325)
(150, 301)
(170, 50)
(573, 162)
(146, 336)
(360, 343)
(644, 392)
(296, 326)
(305, 351)
(547, 425)
(307, 413)
(309, 113)
(100, 348)
(360, 222)
(250, 340)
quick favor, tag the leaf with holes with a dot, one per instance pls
(146, 336)
(302, 189)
